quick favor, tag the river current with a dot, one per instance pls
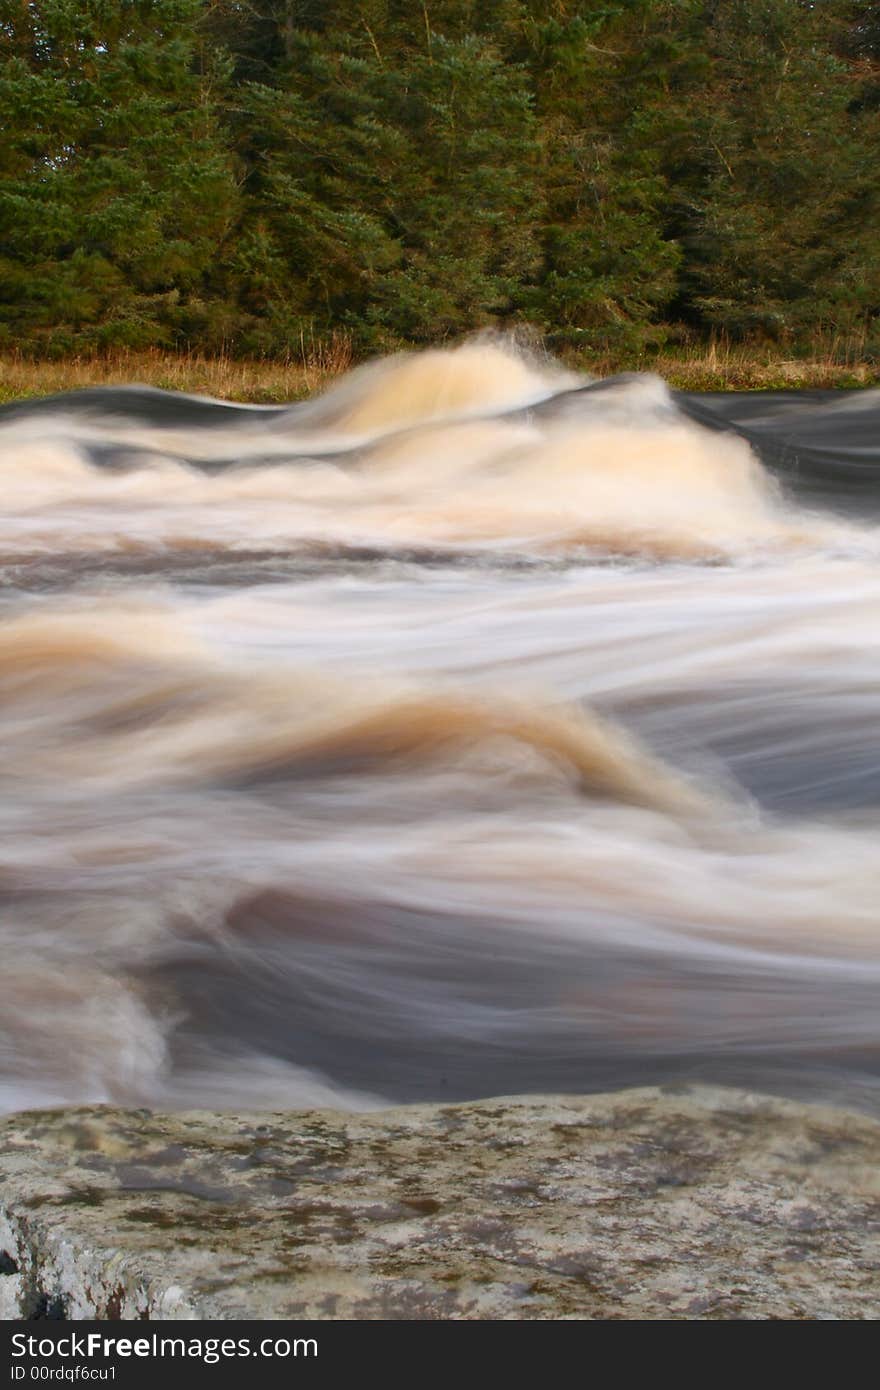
(473, 728)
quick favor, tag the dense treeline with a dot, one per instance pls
(250, 175)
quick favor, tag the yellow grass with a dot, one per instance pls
(223, 377)
(726, 367)
(716, 368)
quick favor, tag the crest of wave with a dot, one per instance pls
(484, 375)
(476, 447)
(124, 698)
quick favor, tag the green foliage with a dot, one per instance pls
(781, 235)
(116, 189)
(397, 199)
(215, 174)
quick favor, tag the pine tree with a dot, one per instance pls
(609, 264)
(783, 202)
(392, 176)
(220, 173)
(116, 192)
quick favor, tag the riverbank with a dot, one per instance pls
(694, 1203)
(271, 382)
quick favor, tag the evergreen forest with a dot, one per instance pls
(248, 176)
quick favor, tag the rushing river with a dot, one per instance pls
(474, 728)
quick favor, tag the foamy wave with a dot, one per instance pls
(482, 377)
(396, 457)
(125, 699)
(392, 828)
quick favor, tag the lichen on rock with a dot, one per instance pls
(689, 1202)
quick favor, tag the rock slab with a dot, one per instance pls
(687, 1202)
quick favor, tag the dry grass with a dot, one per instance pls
(224, 377)
(719, 367)
(726, 367)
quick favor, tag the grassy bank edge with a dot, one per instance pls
(271, 382)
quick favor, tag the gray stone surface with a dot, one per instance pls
(687, 1203)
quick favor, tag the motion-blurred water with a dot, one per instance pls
(474, 728)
